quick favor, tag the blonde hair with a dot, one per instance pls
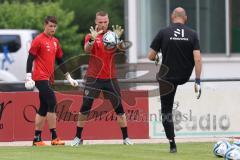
(101, 13)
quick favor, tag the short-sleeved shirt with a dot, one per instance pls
(45, 49)
(101, 63)
(177, 43)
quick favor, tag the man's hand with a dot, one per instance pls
(94, 33)
(73, 82)
(118, 30)
(197, 88)
(29, 83)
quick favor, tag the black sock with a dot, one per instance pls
(172, 143)
(54, 133)
(124, 132)
(37, 136)
(79, 132)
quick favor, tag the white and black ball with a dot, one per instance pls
(220, 148)
(110, 40)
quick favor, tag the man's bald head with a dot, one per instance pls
(179, 15)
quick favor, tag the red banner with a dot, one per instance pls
(18, 110)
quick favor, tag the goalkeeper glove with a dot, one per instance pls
(197, 88)
(94, 33)
(29, 83)
(73, 82)
(118, 30)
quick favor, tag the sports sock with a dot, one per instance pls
(79, 132)
(37, 136)
(124, 132)
(54, 133)
(172, 143)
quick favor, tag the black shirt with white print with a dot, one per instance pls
(177, 43)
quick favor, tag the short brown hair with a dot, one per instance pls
(101, 13)
(52, 19)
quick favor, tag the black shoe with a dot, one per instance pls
(173, 150)
(173, 147)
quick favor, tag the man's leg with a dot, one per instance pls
(167, 118)
(49, 100)
(114, 95)
(39, 124)
(52, 120)
(51, 116)
(82, 118)
(91, 91)
(40, 116)
(122, 122)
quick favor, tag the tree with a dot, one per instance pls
(85, 11)
(29, 15)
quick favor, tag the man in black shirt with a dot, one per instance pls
(180, 53)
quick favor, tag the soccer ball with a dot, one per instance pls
(236, 143)
(110, 40)
(233, 153)
(221, 147)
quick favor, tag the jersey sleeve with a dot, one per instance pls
(196, 45)
(157, 41)
(87, 38)
(59, 53)
(35, 47)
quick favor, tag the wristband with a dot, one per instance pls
(90, 42)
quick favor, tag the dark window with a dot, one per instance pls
(235, 26)
(34, 35)
(10, 43)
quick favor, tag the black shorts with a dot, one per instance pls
(110, 90)
(46, 96)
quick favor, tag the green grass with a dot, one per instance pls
(186, 151)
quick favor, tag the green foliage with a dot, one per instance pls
(25, 1)
(30, 15)
(73, 16)
(85, 11)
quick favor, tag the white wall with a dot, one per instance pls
(215, 114)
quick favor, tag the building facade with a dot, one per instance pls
(217, 23)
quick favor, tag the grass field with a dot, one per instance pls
(186, 151)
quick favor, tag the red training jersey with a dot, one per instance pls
(101, 63)
(45, 49)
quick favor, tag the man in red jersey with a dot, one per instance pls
(44, 50)
(101, 76)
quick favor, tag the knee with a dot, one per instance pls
(86, 106)
(42, 111)
(122, 116)
(167, 118)
(122, 120)
(51, 105)
(82, 117)
(85, 109)
(120, 111)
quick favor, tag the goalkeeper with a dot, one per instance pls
(180, 53)
(101, 76)
(45, 48)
